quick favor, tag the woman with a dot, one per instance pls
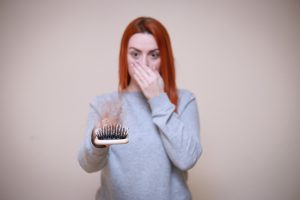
(163, 122)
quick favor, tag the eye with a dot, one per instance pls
(154, 55)
(134, 54)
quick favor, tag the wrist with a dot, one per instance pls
(154, 95)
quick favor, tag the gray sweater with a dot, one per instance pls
(162, 146)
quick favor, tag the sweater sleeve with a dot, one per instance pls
(179, 132)
(91, 158)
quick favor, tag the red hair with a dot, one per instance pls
(167, 67)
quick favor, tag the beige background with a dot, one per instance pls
(241, 59)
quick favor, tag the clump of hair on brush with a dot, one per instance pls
(111, 129)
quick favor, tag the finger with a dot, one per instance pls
(141, 73)
(139, 79)
(150, 70)
(148, 73)
(159, 78)
(157, 74)
(145, 68)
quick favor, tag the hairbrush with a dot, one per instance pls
(111, 134)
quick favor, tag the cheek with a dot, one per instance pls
(129, 62)
(130, 71)
(156, 65)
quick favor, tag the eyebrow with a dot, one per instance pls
(141, 51)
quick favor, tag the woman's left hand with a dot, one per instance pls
(149, 80)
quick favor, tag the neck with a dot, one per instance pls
(133, 87)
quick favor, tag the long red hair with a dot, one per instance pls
(167, 66)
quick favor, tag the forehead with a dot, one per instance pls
(142, 41)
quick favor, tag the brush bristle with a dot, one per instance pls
(112, 132)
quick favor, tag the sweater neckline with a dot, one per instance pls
(134, 94)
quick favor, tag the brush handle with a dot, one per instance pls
(109, 142)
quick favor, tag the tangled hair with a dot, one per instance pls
(167, 67)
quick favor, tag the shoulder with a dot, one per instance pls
(102, 98)
(185, 97)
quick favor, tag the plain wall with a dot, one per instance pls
(240, 58)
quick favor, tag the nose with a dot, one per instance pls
(144, 60)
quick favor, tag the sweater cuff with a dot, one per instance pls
(160, 103)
